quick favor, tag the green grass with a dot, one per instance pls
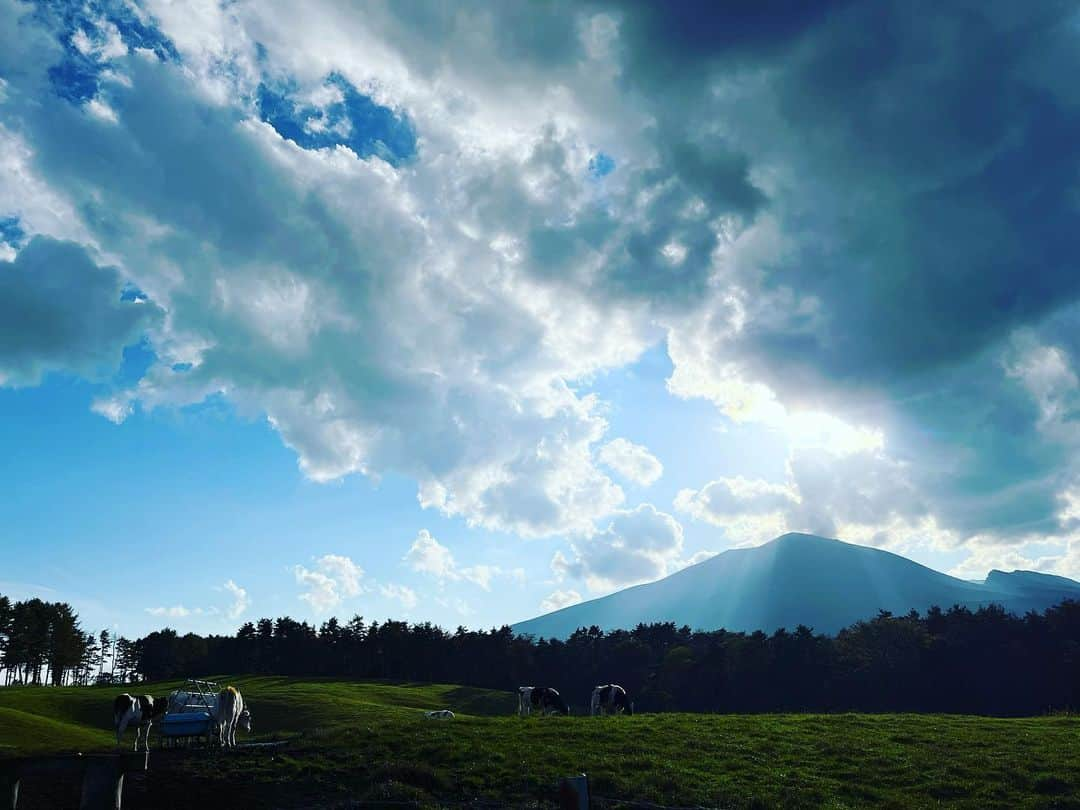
(370, 740)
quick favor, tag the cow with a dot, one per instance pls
(610, 699)
(140, 711)
(440, 714)
(231, 713)
(543, 699)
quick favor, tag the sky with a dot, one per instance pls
(463, 312)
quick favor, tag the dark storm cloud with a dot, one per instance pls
(915, 170)
(60, 311)
(929, 165)
(944, 176)
(673, 42)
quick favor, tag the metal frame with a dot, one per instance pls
(202, 696)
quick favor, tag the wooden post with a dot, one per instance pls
(102, 776)
(102, 785)
(9, 786)
(574, 793)
(103, 779)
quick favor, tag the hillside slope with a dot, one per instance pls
(38, 719)
(368, 743)
(799, 579)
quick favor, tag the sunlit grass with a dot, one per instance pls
(351, 740)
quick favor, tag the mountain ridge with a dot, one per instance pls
(794, 579)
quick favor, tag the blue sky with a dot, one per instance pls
(466, 315)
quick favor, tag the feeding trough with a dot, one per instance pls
(191, 714)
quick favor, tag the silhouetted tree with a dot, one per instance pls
(986, 661)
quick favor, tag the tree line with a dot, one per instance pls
(984, 662)
(43, 643)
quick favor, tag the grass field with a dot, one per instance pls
(368, 741)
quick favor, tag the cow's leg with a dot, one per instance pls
(138, 728)
(121, 727)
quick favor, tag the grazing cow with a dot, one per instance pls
(543, 699)
(139, 711)
(441, 714)
(610, 699)
(231, 713)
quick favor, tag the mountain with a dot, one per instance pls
(799, 579)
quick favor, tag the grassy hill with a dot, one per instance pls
(370, 741)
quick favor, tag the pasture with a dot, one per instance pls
(351, 741)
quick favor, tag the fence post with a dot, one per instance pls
(103, 779)
(9, 786)
(574, 793)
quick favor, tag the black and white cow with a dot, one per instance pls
(140, 711)
(610, 699)
(543, 699)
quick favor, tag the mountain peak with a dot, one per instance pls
(1028, 579)
(800, 537)
(799, 578)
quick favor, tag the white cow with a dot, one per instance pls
(139, 711)
(231, 713)
(440, 714)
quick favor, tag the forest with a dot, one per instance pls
(957, 660)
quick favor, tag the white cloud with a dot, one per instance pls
(407, 596)
(115, 409)
(864, 497)
(639, 545)
(632, 461)
(174, 612)
(334, 579)
(1051, 381)
(560, 599)
(460, 606)
(982, 560)
(749, 510)
(727, 497)
(428, 556)
(240, 602)
(394, 321)
(344, 571)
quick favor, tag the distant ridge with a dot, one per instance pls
(798, 579)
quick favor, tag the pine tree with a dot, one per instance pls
(105, 641)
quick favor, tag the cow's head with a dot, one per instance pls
(160, 706)
(244, 721)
